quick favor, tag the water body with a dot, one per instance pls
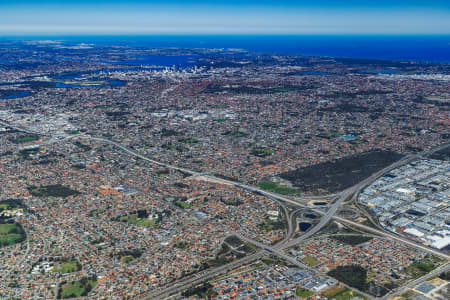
(349, 137)
(15, 94)
(304, 226)
(415, 213)
(320, 203)
(314, 73)
(128, 69)
(75, 78)
(74, 85)
(184, 61)
(7, 60)
(391, 47)
(311, 216)
(383, 72)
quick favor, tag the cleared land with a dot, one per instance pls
(310, 261)
(342, 293)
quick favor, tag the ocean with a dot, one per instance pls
(431, 48)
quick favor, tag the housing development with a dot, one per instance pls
(132, 172)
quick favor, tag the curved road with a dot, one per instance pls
(326, 216)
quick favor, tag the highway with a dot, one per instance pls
(272, 250)
(402, 289)
(353, 191)
(393, 237)
(326, 216)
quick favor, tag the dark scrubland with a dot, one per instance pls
(334, 176)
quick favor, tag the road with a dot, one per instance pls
(202, 277)
(326, 216)
(272, 250)
(22, 259)
(434, 273)
(393, 237)
(133, 153)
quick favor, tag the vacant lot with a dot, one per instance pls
(342, 293)
(334, 176)
(310, 261)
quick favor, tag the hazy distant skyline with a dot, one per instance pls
(46, 17)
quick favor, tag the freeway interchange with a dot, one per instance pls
(289, 241)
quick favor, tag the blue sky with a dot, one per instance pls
(224, 17)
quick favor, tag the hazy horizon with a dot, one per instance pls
(30, 17)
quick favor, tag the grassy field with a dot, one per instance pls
(277, 188)
(420, 268)
(183, 204)
(68, 266)
(310, 261)
(407, 294)
(11, 234)
(127, 259)
(357, 142)
(163, 173)
(262, 152)
(97, 212)
(330, 293)
(303, 293)
(342, 293)
(134, 219)
(270, 225)
(76, 288)
(221, 120)
(189, 141)
(25, 139)
(238, 134)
